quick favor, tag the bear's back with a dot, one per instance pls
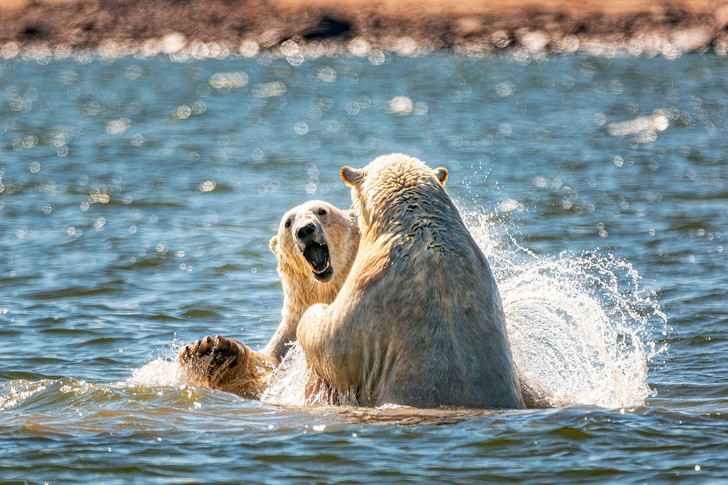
(439, 305)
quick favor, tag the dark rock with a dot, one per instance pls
(327, 28)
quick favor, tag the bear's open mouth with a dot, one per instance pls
(317, 256)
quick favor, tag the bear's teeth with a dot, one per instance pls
(318, 271)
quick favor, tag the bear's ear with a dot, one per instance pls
(273, 245)
(441, 174)
(352, 176)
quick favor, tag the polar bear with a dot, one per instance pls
(315, 247)
(419, 320)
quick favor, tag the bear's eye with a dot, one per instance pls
(288, 223)
(322, 212)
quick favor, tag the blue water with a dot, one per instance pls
(138, 197)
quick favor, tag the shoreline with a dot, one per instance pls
(636, 27)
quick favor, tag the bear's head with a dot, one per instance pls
(391, 184)
(317, 239)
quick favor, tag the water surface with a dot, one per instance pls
(138, 197)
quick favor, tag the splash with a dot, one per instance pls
(164, 371)
(580, 325)
(160, 372)
(289, 381)
(287, 385)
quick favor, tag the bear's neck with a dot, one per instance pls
(301, 290)
(412, 220)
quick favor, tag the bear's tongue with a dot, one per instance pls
(317, 256)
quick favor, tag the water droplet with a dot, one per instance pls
(504, 89)
(401, 105)
(359, 47)
(207, 186)
(249, 48)
(228, 80)
(326, 74)
(377, 57)
(301, 128)
(117, 127)
(183, 112)
(137, 140)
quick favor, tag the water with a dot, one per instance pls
(138, 197)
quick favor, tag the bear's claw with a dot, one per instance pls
(210, 358)
(226, 364)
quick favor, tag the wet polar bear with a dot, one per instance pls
(419, 320)
(315, 247)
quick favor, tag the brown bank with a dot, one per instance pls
(657, 26)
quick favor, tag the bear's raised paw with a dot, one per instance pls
(214, 353)
(221, 363)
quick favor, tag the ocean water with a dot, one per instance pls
(138, 195)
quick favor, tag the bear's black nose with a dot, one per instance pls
(305, 231)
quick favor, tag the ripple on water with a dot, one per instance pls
(77, 291)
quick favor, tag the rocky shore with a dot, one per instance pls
(640, 26)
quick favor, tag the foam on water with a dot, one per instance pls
(581, 328)
(15, 392)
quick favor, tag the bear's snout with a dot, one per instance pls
(305, 231)
(311, 242)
